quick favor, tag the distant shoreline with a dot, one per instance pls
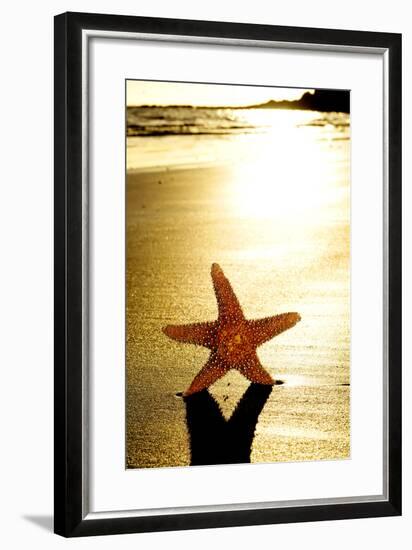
(321, 100)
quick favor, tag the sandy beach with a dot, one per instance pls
(179, 221)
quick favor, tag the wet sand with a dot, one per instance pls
(180, 221)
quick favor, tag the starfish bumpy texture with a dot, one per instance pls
(232, 339)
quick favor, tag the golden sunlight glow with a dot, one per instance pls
(286, 178)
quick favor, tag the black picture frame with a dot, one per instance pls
(70, 517)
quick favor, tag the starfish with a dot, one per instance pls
(232, 338)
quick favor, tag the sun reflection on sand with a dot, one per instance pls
(285, 181)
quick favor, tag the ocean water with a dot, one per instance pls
(266, 194)
(171, 136)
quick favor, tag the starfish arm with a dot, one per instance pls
(262, 330)
(212, 371)
(253, 371)
(201, 334)
(228, 304)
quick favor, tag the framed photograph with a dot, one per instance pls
(227, 274)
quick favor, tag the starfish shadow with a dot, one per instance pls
(215, 440)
